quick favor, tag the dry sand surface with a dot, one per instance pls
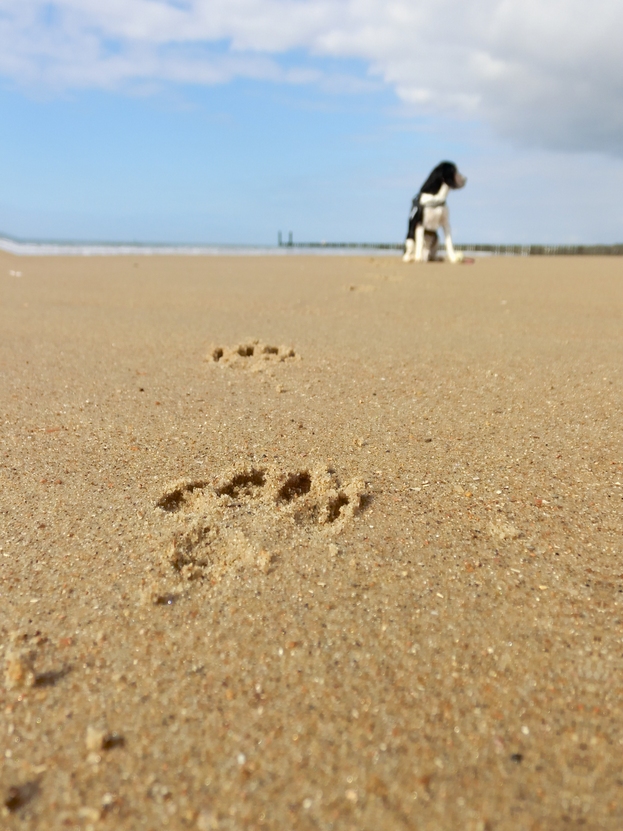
(311, 543)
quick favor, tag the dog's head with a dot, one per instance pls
(446, 173)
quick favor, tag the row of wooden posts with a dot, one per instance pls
(514, 250)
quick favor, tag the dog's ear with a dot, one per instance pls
(448, 172)
(434, 182)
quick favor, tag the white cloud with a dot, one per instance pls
(544, 72)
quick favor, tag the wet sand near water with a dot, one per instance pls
(311, 543)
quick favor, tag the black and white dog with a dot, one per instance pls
(429, 212)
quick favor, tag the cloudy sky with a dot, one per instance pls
(228, 120)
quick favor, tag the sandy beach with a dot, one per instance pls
(311, 543)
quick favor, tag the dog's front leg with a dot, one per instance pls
(419, 243)
(409, 254)
(450, 252)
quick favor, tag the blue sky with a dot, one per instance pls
(215, 122)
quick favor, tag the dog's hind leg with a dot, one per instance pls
(431, 246)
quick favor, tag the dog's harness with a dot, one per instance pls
(417, 204)
(417, 212)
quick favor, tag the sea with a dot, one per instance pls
(102, 249)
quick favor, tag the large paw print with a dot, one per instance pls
(253, 514)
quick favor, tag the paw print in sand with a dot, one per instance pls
(252, 354)
(248, 517)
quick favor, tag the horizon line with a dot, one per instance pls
(12, 244)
